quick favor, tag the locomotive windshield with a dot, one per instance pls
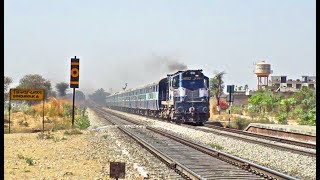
(194, 80)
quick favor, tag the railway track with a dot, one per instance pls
(283, 146)
(271, 138)
(187, 158)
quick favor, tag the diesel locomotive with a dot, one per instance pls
(180, 97)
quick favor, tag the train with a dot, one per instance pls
(181, 97)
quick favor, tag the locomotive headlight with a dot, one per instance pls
(205, 109)
(192, 109)
(180, 109)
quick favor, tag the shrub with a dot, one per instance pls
(65, 123)
(236, 110)
(30, 161)
(67, 110)
(241, 123)
(308, 118)
(82, 122)
(282, 118)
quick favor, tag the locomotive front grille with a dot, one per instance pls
(192, 95)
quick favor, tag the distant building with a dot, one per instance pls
(282, 84)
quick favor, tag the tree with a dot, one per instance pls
(7, 81)
(62, 88)
(246, 87)
(264, 101)
(79, 96)
(216, 87)
(305, 108)
(36, 81)
(99, 96)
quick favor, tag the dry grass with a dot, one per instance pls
(29, 119)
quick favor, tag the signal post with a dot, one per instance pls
(74, 81)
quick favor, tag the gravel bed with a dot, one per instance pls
(293, 164)
(121, 148)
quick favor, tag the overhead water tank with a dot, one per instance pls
(263, 69)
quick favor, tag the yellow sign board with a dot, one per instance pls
(26, 94)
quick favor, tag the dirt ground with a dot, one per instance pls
(80, 156)
(63, 157)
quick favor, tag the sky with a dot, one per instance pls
(135, 42)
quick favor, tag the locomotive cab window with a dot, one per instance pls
(175, 81)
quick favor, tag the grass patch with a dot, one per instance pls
(45, 136)
(23, 123)
(105, 136)
(73, 132)
(216, 146)
(20, 156)
(30, 161)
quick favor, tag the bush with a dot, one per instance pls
(30, 161)
(240, 123)
(67, 110)
(308, 118)
(282, 118)
(65, 123)
(82, 122)
(236, 110)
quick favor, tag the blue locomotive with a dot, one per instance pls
(180, 97)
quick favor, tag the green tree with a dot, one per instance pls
(264, 101)
(62, 88)
(36, 81)
(286, 105)
(99, 96)
(305, 108)
(246, 87)
(216, 87)
(79, 96)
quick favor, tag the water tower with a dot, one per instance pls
(263, 70)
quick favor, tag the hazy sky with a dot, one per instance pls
(133, 41)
